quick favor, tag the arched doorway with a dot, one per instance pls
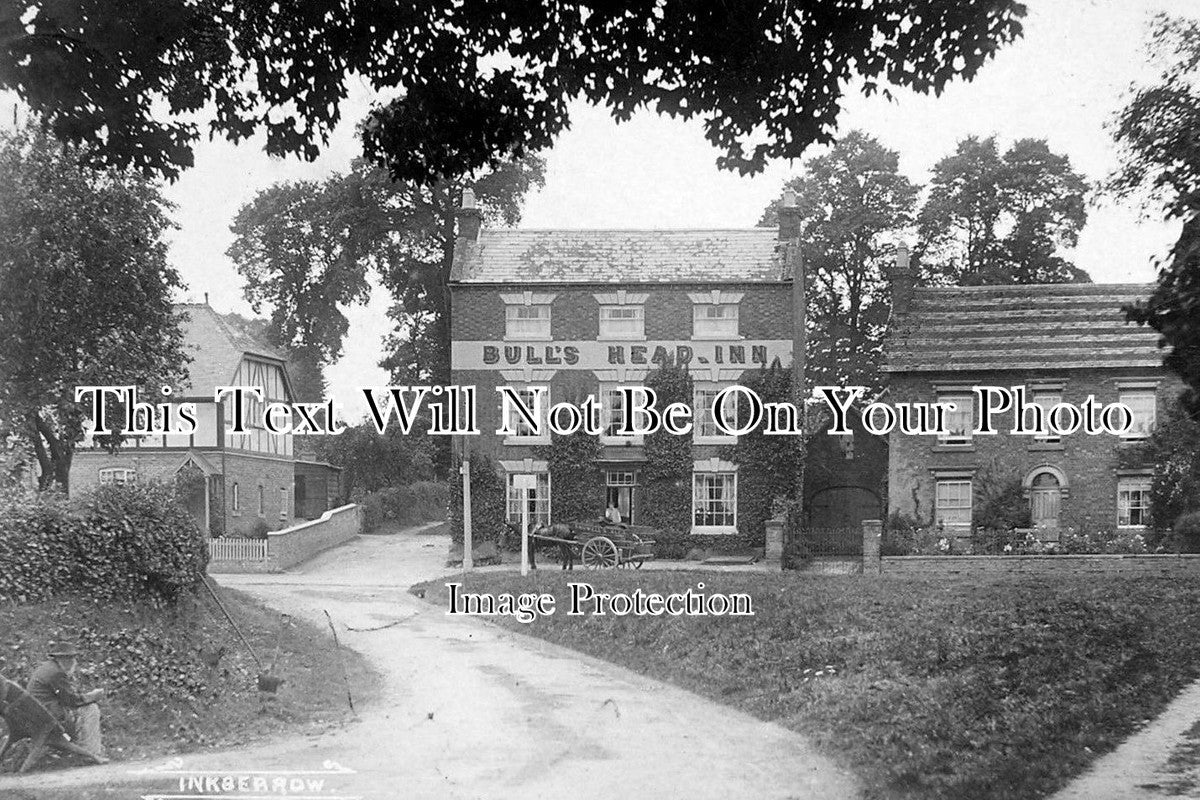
(1045, 499)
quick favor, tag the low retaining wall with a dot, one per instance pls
(295, 545)
(1157, 564)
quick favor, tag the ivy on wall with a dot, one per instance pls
(667, 476)
(487, 503)
(769, 467)
(576, 484)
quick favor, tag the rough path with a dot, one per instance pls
(1162, 760)
(473, 711)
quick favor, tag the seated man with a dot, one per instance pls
(53, 685)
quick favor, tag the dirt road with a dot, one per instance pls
(472, 711)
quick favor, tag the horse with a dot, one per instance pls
(559, 530)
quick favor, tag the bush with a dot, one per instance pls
(1186, 532)
(125, 540)
(424, 501)
(671, 545)
(488, 511)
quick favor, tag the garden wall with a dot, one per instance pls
(1185, 565)
(295, 545)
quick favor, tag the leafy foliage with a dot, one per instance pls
(578, 486)
(667, 476)
(1161, 155)
(853, 204)
(423, 501)
(488, 504)
(127, 540)
(87, 291)
(307, 250)
(372, 461)
(1002, 503)
(770, 468)
(473, 82)
(999, 219)
(1174, 449)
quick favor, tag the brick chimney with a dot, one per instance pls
(470, 218)
(789, 217)
(903, 280)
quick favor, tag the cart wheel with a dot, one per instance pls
(599, 552)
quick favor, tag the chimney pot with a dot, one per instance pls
(903, 281)
(470, 218)
(789, 216)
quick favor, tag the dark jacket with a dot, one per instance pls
(51, 686)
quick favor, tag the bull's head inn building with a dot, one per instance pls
(585, 311)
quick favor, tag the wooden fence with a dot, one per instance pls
(237, 549)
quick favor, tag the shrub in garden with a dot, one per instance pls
(36, 552)
(133, 540)
(1186, 532)
(424, 501)
(138, 537)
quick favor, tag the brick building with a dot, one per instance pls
(240, 481)
(585, 311)
(1061, 342)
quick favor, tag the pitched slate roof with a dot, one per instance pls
(1056, 326)
(622, 256)
(216, 347)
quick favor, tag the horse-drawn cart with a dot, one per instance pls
(602, 545)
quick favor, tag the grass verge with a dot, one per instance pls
(974, 686)
(164, 693)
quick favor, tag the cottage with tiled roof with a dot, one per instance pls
(587, 311)
(1062, 343)
(238, 481)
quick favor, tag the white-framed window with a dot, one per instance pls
(715, 321)
(959, 422)
(117, 475)
(527, 321)
(612, 415)
(1133, 502)
(235, 498)
(1047, 399)
(539, 501)
(714, 501)
(623, 322)
(283, 502)
(706, 424)
(517, 421)
(1144, 405)
(262, 501)
(952, 503)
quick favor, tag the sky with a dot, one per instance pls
(1063, 81)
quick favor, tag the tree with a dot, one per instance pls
(1174, 449)
(306, 250)
(472, 83)
(993, 219)
(853, 204)
(87, 292)
(1161, 155)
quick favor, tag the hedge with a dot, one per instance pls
(132, 540)
(424, 501)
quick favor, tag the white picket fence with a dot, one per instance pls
(237, 549)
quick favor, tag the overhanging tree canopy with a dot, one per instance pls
(473, 82)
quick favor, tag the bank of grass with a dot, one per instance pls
(162, 695)
(959, 687)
